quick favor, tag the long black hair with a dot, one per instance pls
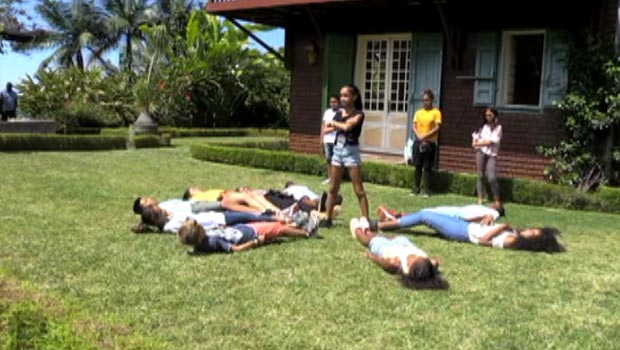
(546, 242)
(484, 119)
(356, 91)
(424, 275)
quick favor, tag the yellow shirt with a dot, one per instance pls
(208, 195)
(426, 121)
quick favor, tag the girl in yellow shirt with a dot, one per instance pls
(426, 123)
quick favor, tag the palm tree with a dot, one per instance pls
(123, 23)
(74, 27)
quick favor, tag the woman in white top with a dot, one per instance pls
(398, 255)
(486, 141)
(329, 137)
(495, 235)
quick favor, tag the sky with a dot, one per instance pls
(15, 66)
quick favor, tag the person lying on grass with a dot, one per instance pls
(304, 194)
(398, 255)
(472, 213)
(496, 235)
(214, 200)
(170, 221)
(239, 237)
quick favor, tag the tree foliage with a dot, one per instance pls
(587, 157)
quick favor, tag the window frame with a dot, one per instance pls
(501, 79)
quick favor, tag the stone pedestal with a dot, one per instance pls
(144, 125)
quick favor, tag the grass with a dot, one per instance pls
(65, 230)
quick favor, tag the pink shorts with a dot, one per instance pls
(270, 230)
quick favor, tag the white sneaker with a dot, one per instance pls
(364, 224)
(326, 181)
(354, 224)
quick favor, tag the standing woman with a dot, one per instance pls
(486, 141)
(328, 138)
(426, 123)
(347, 123)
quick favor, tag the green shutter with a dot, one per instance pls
(426, 59)
(339, 63)
(556, 73)
(486, 67)
(426, 56)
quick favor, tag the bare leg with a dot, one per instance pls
(333, 189)
(290, 231)
(356, 177)
(389, 225)
(364, 237)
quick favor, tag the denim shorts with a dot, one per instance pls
(329, 151)
(347, 156)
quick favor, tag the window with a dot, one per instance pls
(532, 71)
(522, 68)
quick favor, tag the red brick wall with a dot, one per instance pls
(306, 95)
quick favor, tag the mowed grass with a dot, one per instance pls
(65, 220)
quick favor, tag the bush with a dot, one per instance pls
(41, 142)
(150, 141)
(76, 98)
(515, 190)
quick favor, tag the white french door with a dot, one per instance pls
(383, 69)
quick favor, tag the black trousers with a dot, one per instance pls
(423, 159)
(8, 114)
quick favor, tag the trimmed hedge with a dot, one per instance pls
(207, 132)
(150, 141)
(274, 145)
(513, 190)
(50, 142)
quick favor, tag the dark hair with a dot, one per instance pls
(429, 93)
(137, 206)
(356, 91)
(424, 275)
(289, 183)
(151, 216)
(501, 210)
(142, 228)
(187, 194)
(484, 119)
(546, 242)
(336, 96)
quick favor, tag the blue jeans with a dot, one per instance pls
(235, 217)
(447, 226)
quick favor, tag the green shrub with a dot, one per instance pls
(42, 142)
(151, 141)
(516, 190)
(274, 145)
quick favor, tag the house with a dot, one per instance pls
(472, 53)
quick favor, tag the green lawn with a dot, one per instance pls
(65, 229)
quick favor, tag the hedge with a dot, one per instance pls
(274, 145)
(51, 142)
(513, 190)
(206, 132)
(150, 141)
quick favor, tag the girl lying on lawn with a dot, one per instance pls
(398, 255)
(496, 235)
(239, 237)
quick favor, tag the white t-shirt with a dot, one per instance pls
(477, 231)
(486, 134)
(298, 192)
(177, 206)
(466, 212)
(402, 252)
(328, 116)
(207, 220)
